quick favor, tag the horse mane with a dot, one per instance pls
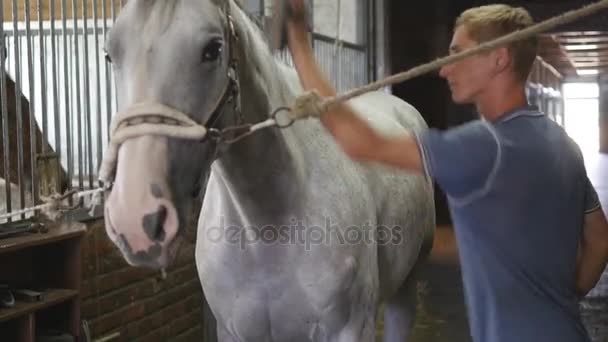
(257, 51)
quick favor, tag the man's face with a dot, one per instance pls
(468, 78)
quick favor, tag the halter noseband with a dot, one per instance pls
(151, 118)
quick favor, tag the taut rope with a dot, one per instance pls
(307, 105)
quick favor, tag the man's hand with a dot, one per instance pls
(296, 16)
(351, 133)
(297, 13)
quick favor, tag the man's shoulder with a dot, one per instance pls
(476, 129)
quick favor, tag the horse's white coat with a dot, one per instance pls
(281, 249)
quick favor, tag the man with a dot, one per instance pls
(521, 203)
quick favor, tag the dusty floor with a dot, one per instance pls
(441, 313)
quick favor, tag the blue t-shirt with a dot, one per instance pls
(518, 193)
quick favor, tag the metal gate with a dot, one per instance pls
(58, 96)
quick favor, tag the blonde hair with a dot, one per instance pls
(489, 22)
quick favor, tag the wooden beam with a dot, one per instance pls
(590, 59)
(597, 22)
(588, 53)
(591, 64)
(577, 47)
(580, 33)
(583, 40)
(45, 8)
(551, 51)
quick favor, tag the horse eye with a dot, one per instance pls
(213, 51)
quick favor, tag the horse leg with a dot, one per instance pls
(223, 335)
(400, 311)
(360, 328)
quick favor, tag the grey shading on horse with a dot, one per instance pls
(295, 241)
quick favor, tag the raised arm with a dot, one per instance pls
(352, 133)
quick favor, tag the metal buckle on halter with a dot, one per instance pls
(214, 134)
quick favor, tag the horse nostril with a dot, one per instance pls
(154, 224)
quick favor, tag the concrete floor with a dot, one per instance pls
(441, 314)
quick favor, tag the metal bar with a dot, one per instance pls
(54, 80)
(48, 31)
(70, 161)
(98, 86)
(33, 130)
(87, 96)
(262, 9)
(43, 94)
(108, 74)
(78, 113)
(324, 38)
(369, 13)
(113, 11)
(114, 15)
(18, 109)
(5, 120)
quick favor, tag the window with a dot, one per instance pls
(582, 115)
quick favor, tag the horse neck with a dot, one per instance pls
(260, 170)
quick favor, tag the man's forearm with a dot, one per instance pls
(311, 77)
(303, 57)
(593, 253)
(401, 152)
(591, 265)
(354, 134)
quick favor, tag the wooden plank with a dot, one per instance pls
(28, 328)
(583, 40)
(581, 33)
(590, 53)
(45, 4)
(601, 69)
(60, 233)
(576, 47)
(52, 297)
(590, 59)
(590, 64)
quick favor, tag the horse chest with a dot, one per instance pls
(285, 300)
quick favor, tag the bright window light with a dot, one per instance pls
(587, 72)
(581, 90)
(581, 47)
(581, 114)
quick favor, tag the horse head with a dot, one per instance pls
(167, 56)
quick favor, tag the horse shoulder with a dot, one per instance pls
(387, 113)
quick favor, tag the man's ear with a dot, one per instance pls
(503, 59)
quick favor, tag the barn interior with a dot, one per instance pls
(54, 127)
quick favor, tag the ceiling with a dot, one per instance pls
(576, 53)
(577, 48)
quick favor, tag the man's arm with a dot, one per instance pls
(593, 253)
(353, 134)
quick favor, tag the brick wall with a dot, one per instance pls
(135, 302)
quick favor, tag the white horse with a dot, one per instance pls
(295, 241)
